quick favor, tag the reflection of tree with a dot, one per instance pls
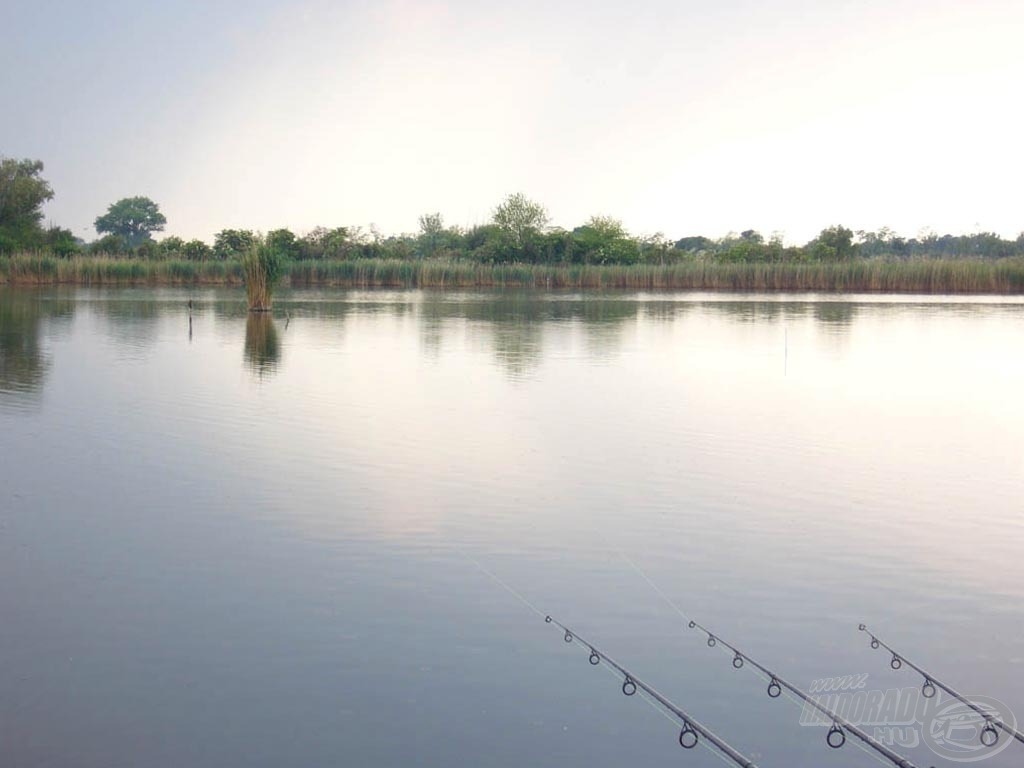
(132, 319)
(835, 313)
(826, 313)
(514, 322)
(666, 311)
(262, 345)
(753, 311)
(517, 346)
(23, 363)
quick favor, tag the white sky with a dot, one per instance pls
(681, 117)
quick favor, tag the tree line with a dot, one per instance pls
(519, 231)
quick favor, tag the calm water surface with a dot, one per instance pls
(254, 542)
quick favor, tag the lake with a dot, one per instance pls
(255, 541)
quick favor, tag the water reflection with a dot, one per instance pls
(516, 325)
(305, 538)
(519, 328)
(24, 361)
(262, 351)
(134, 320)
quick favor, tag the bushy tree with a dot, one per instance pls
(108, 244)
(196, 250)
(694, 244)
(833, 244)
(61, 241)
(284, 243)
(490, 243)
(654, 247)
(171, 246)
(148, 249)
(22, 194)
(603, 240)
(431, 233)
(231, 243)
(323, 243)
(521, 218)
(134, 219)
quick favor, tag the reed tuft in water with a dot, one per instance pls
(262, 267)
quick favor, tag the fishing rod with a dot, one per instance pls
(989, 735)
(836, 736)
(691, 731)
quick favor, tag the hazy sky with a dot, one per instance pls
(677, 116)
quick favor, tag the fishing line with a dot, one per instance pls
(692, 730)
(689, 735)
(504, 585)
(836, 736)
(989, 736)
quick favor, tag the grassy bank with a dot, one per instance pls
(1004, 276)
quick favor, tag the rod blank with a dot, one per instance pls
(989, 735)
(691, 731)
(836, 736)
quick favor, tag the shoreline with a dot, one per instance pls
(951, 276)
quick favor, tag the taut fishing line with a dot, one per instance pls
(836, 736)
(692, 733)
(692, 730)
(988, 736)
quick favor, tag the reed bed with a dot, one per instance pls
(1000, 277)
(31, 269)
(1005, 276)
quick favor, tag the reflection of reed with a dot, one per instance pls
(262, 346)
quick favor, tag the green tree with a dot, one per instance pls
(171, 246)
(431, 232)
(196, 250)
(61, 241)
(107, 244)
(323, 243)
(603, 240)
(654, 247)
(148, 249)
(134, 219)
(489, 243)
(284, 243)
(229, 243)
(22, 194)
(522, 218)
(695, 244)
(833, 244)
